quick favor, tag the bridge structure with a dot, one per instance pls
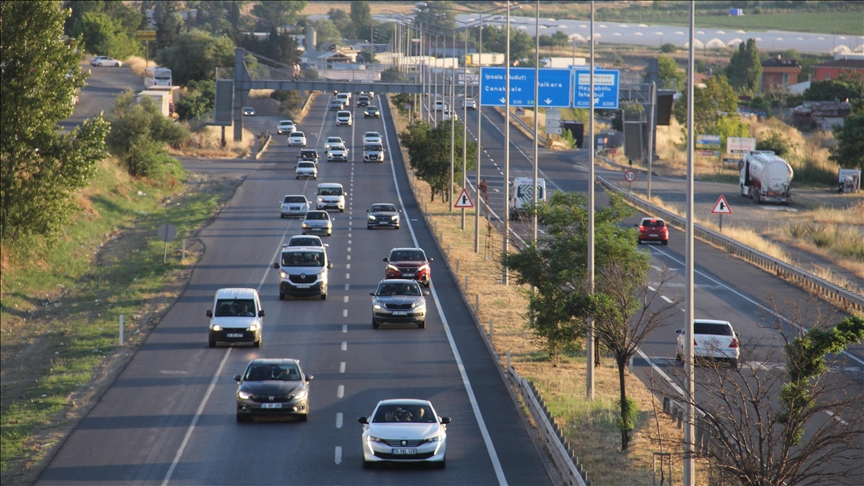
(231, 93)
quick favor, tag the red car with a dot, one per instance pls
(653, 229)
(409, 263)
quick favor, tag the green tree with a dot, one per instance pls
(278, 14)
(196, 55)
(123, 15)
(343, 23)
(104, 36)
(327, 31)
(848, 85)
(495, 40)
(745, 69)
(41, 168)
(714, 110)
(849, 151)
(138, 134)
(200, 98)
(429, 153)
(670, 76)
(361, 17)
(624, 309)
(168, 25)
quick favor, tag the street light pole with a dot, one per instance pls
(536, 111)
(465, 124)
(589, 338)
(479, 137)
(506, 212)
(452, 124)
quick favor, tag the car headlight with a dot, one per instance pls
(305, 225)
(244, 395)
(320, 199)
(394, 218)
(437, 438)
(283, 274)
(377, 306)
(372, 438)
(300, 395)
(423, 267)
(417, 304)
(371, 218)
(216, 327)
(253, 327)
(393, 268)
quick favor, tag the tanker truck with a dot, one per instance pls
(765, 177)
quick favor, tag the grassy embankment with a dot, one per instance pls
(61, 303)
(591, 425)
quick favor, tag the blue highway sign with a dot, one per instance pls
(606, 88)
(554, 87)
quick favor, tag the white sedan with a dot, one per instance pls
(404, 430)
(332, 142)
(469, 103)
(371, 137)
(286, 126)
(297, 139)
(306, 168)
(337, 153)
(103, 61)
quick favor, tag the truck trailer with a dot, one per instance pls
(765, 177)
(561, 62)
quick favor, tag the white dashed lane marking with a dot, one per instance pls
(338, 454)
(344, 312)
(344, 327)
(339, 421)
(344, 345)
(667, 299)
(347, 276)
(342, 367)
(340, 392)
(345, 299)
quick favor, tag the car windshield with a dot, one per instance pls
(304, 241)
(343, 114)
(373, 147)
(235, 308)
(330, 191)
(267, 371)
(284, 123)
(294, 199)
(404, 413)
(392, 288)
(297, 134)
(372, 108)
(317, 215)
(407, 256)
(711, 328)
(334, 140)
(383, 208)
(311, 154)
(303, 259)
(372, 135)
(337, 147)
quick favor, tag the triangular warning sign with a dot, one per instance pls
(721, 206)
(464, 200)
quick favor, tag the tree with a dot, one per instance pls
(278, 14)
(196, 55)
(41, 168)
(200, 98)
(670, 76)
(849, 151)
(745, 69)
(714, 110)
(624, 309)
(327, 31)
(848, 85)
(798, 423)
(429, 153)
(168, 25)
(494, 40)
(126, 17)
(362, 19)
(138, 132)
(104, 36)
(343, 23)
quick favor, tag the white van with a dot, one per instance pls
(236, 317)
(330, 195)
(303, 270)
(344, 118)
(522, 195)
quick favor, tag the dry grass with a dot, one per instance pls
(591, 425)
(206, 143)
(137, 65)
(321, 8)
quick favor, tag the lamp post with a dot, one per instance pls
(505, 244)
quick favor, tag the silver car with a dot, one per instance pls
(306, 168)
(337, 153)
(317, 222)
(383, 215)
(398, 301)
(404, 430)
(294, 206)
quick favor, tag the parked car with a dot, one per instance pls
(307, 169)
(384, 215)
(286, 126)
(236, 317)
(317, 222)
(248, 111)
(273, 387)
(337, 153)
(653, 229)
(409, 263)
(404, 430)
(102, 61)
(296, 139)
(711, 339)
(293, 206)
(372, 111)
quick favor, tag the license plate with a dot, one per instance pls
(271, 405)
(302, 286)
(234, 335)
(400, 313)
(653, 235)
(404, 451)
(407, 275)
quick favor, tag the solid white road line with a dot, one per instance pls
(490, 447)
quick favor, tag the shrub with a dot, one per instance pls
(775, 142)
(668, 48)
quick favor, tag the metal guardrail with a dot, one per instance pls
(846, 299)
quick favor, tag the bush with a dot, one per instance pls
(668, 48)
(775, 142)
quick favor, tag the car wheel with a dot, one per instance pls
(242, 418)
(304, 417)
(297, 177)
(212, 343)
(341, 210)
(639, 241)
(375, 324)
(734, 363)
(397, 226)
(422, 325)
(426, 283)
(281, 296)
(259, 342)
(324, 296)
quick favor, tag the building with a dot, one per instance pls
(446, 48)
(831, 69)
(779, 72)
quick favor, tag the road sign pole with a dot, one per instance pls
(589, 338)
(721, 223)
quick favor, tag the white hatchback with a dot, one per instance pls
(404, 430)
(332, 142)
(711, 339)
(306, 168)
(286, 126)
(297, 139)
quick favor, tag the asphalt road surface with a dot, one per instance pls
(103, 85)
(169, 417)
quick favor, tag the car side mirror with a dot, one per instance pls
(326, 245)
(329, 264)
(309, 377)
(363, 420)
(431, 259)
(400, 210)
(209, 313)
(737, 335)
(237, 377)
(445, 420)
(680, 331)
(386, 260)
(367, 210)
(276, 265)
(426, 292)
(372, 293)
(261, 313)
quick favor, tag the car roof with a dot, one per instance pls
(408, 248)
(710, 321)
(372, 133)
(310, 162)
(236, 293)
(343, 113)
(382, 203)
(329, 184)
(275, 361)
(398, 281)
(405, 401)
(298, 133)
(334, 139)
(286, 121)
(294, 195)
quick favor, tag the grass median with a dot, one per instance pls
(591, 426)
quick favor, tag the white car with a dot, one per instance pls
(344, 118)
(337, 153)
(331, 142)
(103, 61)
(469, 103)
(306, 168)
(440, 105)
(450, 114)
(294, 206)
(372, 137)
(286, 126)
(297, 139)
(404, 430)
(711, 339)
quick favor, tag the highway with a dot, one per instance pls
(169, 416)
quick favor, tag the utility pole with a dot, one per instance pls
(589, 338)
(506, 212)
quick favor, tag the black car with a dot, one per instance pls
(371, 111)
(308, 154)
(383, 215)
(362, 101)
(398, 302)
(273, 387)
